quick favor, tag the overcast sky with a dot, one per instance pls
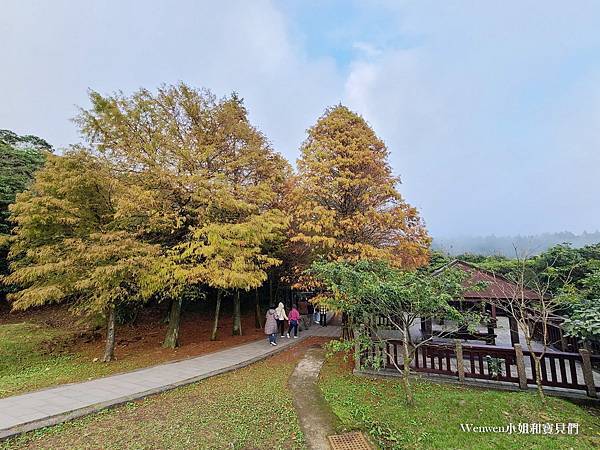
(491, 110)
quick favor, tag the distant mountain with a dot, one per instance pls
(505, 245)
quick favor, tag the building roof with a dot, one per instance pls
(496, 286)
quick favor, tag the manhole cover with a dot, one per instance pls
(349, 441)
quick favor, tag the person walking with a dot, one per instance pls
(281, 317)
(294, 317)
(316, 314)
(305, 319)
(271, 325)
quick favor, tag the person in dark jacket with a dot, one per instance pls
(271, 326)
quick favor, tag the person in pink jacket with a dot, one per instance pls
(293, 319)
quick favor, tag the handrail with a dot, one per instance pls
(496, 364)
(492, 349)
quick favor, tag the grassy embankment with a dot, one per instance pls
(247, 408)
(251, 408)
(377, 406)
(50, 350)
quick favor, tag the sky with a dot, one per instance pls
(490, 110)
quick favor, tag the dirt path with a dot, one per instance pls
(317, 421)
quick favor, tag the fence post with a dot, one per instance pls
(357, 363)
(460, 363)
(588, 374)
(520, 366)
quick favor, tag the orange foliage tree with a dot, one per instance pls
(345, 204)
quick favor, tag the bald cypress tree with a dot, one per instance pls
(228, 249)
(345, 202)
(74, 243)
(205, 177)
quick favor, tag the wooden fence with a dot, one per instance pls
(558, 339)
(556, 336)
(494, 364)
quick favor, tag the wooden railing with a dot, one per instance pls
(557, 338)
(385, 322)
(496, 364)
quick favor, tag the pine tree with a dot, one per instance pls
(228, 251)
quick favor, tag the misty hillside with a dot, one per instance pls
(505, 245)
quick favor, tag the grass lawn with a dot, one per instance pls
(34, 354)
(377, 407)
(26, 364)
(246, 408)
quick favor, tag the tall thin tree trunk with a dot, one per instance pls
(213, 336)
(406, 360)
(538, 378)
(109, 349)
(237, 314)
(271, 299)
(537, 365)
(257, 313)
(172, 337)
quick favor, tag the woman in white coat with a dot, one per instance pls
(281, 317)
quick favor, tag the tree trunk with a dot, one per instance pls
(168, 312)
(109, 349)
(172, 337)
(257, 313)
(237, 319)
(538, 379)
(213, 336)
(271, 299)
(406, 360)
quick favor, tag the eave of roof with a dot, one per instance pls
(499, 287)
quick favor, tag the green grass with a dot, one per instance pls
(25, 366)
(23, 363)
(243, 409)
(377, 406)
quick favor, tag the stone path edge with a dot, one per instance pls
(86, 411)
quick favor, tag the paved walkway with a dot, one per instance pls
(38, 409)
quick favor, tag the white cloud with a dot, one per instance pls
(367, 49)
(490, 118)
(490, 110)
(60, 49)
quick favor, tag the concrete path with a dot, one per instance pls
(316, 418)
(38, 409)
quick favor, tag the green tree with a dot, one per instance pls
(12, 139)
(584, 320)
(591, 284)
(74, 244)
(366, 290)
(20, 157)
(345, 202)
(536, 294)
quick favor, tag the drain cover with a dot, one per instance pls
(349, 441)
